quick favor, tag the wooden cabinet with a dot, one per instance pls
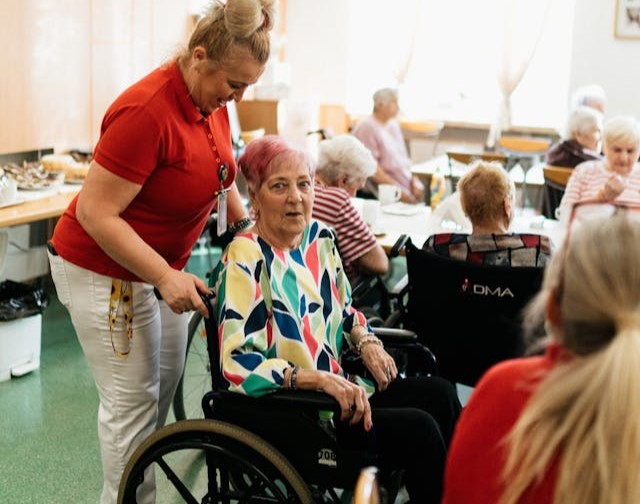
(256, 114)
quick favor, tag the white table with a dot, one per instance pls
(440, 164)
(420, 223)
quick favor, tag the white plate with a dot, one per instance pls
(74, 181)
(400, 208)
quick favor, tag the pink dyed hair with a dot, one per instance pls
(261, 152)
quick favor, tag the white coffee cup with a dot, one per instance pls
(388, 193)
(370, 211)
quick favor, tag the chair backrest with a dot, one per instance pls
(555, 182)
(469, 157)
(457, 161)
(468, 314)
(422, 128)
(420, 131)
(524, 145)
(557, 174)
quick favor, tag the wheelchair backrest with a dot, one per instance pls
(468, 314)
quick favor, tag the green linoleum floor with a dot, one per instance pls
(49, 450)
(48, 442)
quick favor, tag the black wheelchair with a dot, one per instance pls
(216, 459)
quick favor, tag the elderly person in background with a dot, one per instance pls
(343, 167)
(591, 95)
(487, 197)
(382, 135)
(563, 426)
(616, 177)
(284, 317)
(581, 142)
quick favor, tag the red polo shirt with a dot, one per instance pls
(153, 135)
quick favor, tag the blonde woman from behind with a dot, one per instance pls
(562, 427)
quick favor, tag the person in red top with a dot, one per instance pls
(163, 160)
(563, 427)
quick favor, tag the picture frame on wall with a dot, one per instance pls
(627, 19)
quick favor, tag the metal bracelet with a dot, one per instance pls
(239, 225)
(366, 339)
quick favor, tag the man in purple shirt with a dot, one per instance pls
(382, 135)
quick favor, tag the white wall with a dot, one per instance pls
(316, 49)
(600, 58)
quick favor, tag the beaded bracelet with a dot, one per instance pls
(239, 225)
(366, 339)
(293, 376)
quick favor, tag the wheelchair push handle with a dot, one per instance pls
(206, 299)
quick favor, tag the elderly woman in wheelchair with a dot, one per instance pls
(282, 304)
(280, 330)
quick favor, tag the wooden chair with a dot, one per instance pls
(524, 145)
(421, 130)
(555, 182)
(557, 174)
(524, 151)
(469, 157)
(457, 158)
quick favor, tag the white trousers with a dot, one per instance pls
(136, 390)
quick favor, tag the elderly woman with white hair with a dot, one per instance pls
(344, 164)
(581, 141)
(616, 178)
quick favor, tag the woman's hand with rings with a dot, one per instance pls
(352, 398)
(380, 364)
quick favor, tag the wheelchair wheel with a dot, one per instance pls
(208, 461)
(196, 377)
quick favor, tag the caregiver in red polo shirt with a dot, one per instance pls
(163, 160)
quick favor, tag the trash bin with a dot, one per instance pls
(21, 308)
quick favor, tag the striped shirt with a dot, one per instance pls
(332, 205)
(588, 178)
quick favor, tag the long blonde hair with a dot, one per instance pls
(585, 413)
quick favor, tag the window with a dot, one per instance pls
(444, 57)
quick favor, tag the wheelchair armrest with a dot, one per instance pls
(298, 401)
(398, 245)
(391, 335)
(364, 285)
(307, 399)
(407, 341)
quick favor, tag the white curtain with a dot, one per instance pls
(522, 27)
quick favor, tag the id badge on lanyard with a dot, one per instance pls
(223, 172)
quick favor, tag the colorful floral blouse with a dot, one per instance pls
(277, 308)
